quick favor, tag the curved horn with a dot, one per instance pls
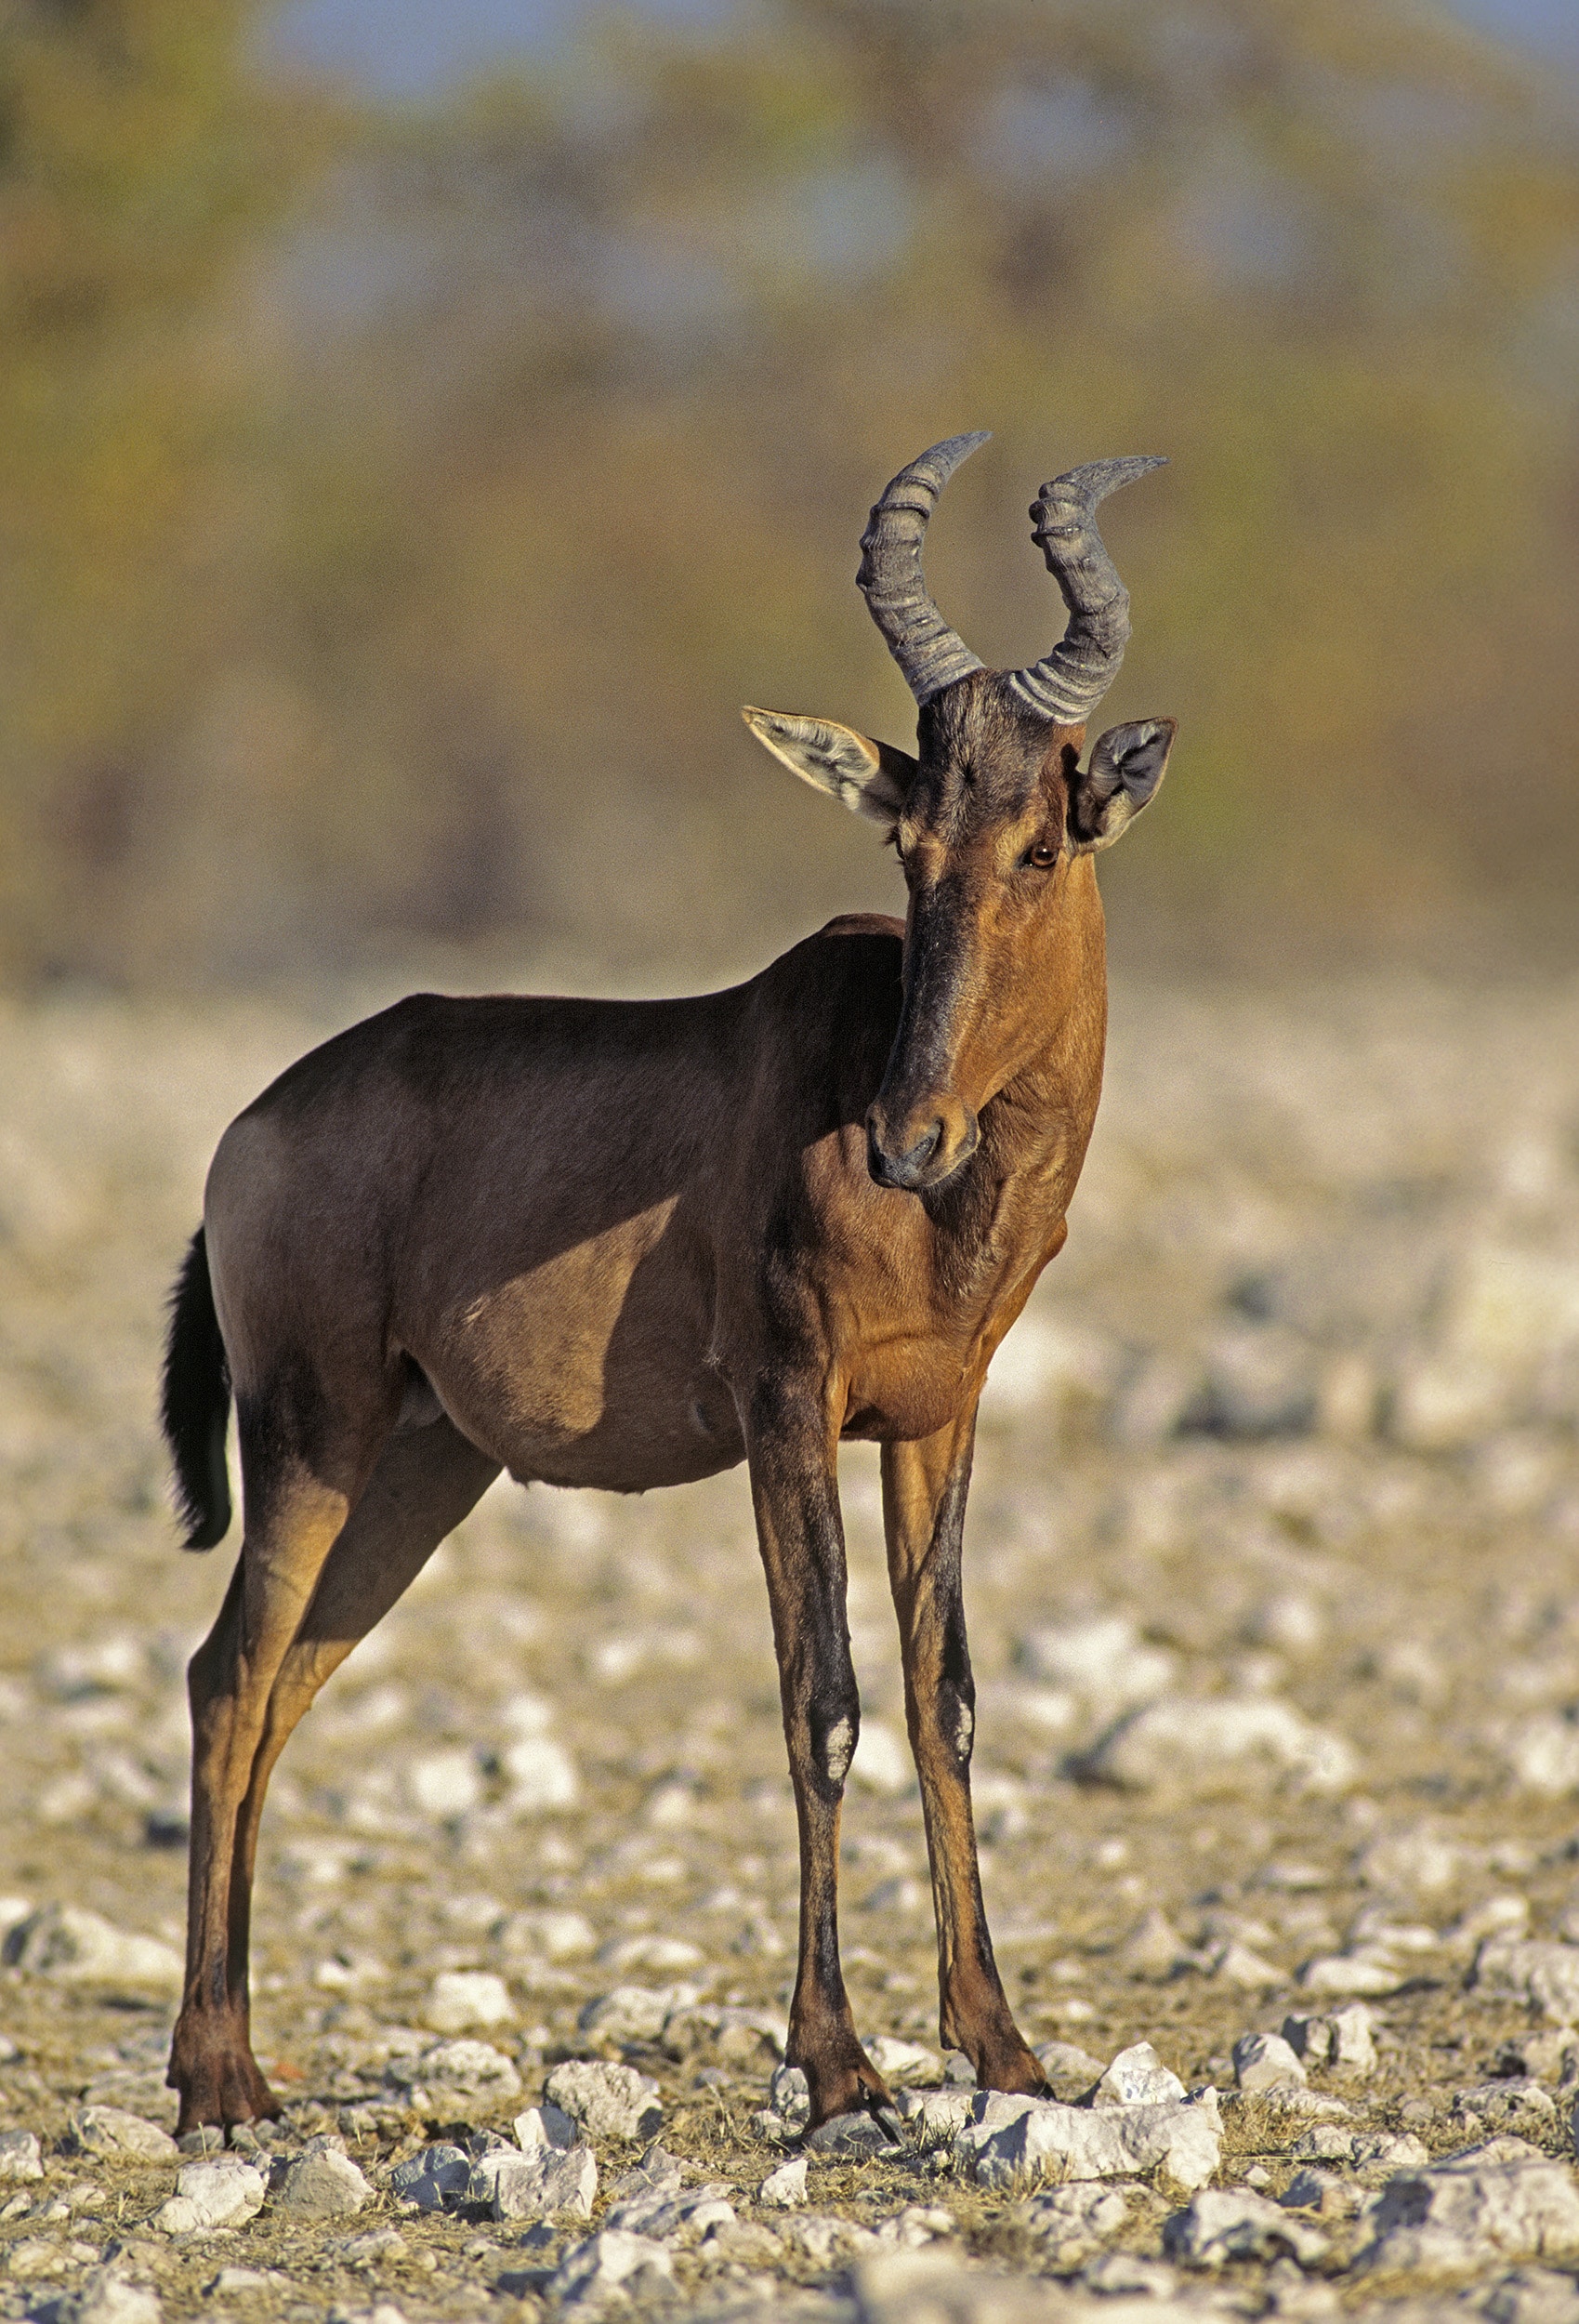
(1068, 684)
(930, 653)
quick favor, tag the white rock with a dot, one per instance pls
(444, 1783)
(789, 2096)
(456, 2077)
(1365, 1971)
(1234, 1964)
(1073, 2222)
(934, 2117)
(1216, 1745)
(1260, 1381)
(1511, 1307)
(20, 2155)
(545, 2126)
(933, 2287)
(1343, 2038)
(1223, 2223)
(323, 2184)
(1307, 2105)
(825, 2239)
(914, 2227)
(1533, 1969)
(428, 2180)
(882, 1762)
(1104, 1661)
(1443, 1405)
(541, 2185)
(1542, 1754)
(555, 1935)
(1012, 2140)
(1494, 1916)
(217, 2191)
(784, 2189)
(904, 2061)
(1265, 2061)
(636, 2013)
(460, 1998)
(1501, 2200)
(605, 2264)
(1046, 1363)
(542, 1776)
(1531, 2295)
(651, 1953)
(1413, 1863)
(64, 1941)
(607, 2100)
(1153, 1948)
(670, 2216)
(1137, 2077)
(106, 2297)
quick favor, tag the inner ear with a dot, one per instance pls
(871, 779)
(1127, 765)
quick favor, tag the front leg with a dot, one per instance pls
(795, 1492)
(924, 1490)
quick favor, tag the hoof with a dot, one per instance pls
(1010, 2068)
(219, 2087)
(847, 2084)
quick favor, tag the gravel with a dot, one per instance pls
(19, 2157)
(1012, 2141)
(1223, 2223)
(111, 2131)
(218, 2191)
(1263, 2062)
(433, 2178)
(784, 2189)
(542, 2184)
(66, 1942)
(323, 2183)
(1280, 1456)
(607, 2100)
(1501, 2200)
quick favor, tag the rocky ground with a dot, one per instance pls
(1270, 1560)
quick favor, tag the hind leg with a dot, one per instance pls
(293, 1514)
(422, 1486)
(421, 1489)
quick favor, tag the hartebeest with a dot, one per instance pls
(627, 1243)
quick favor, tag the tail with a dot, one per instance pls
(195, 1405)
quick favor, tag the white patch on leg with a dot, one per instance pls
(838, 1750)
(964, 1731)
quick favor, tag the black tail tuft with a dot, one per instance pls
(195, 1406)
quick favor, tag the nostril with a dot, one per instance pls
(924, 1146)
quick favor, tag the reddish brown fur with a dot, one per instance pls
(628, 1243)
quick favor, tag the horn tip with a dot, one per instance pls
(953, 449)
(1096, 478)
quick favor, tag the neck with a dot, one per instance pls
(1036, 1131)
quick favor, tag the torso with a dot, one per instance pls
(594, 1247)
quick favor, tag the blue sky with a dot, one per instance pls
(412, 48)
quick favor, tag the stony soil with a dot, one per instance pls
(1271, 1559)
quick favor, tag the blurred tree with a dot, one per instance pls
(138, 156)
(454, 521)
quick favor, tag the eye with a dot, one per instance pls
(1042, 857)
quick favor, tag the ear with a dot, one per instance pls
(871, 778)
(1127, 765)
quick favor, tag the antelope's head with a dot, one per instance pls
(992, 813)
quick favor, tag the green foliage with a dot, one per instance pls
(404, 504)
